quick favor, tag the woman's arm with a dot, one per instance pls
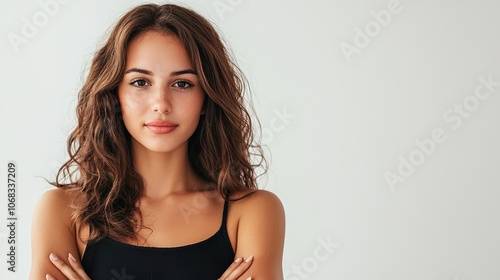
(51, 232)
(261, 233)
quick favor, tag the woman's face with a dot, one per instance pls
(160, 95)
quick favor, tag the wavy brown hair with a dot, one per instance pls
(221, 151)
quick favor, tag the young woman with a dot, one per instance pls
(160, 183)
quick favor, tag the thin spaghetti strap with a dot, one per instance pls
(226, 242)
(224, 213)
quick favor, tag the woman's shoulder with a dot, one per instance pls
(51, 232)
(257, 203)
(259, 230)
(255, 196)
(55, 204)
(57, 197)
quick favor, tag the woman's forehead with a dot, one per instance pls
(157, 52)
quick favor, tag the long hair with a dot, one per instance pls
(221, 151)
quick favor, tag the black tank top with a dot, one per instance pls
(108, 259)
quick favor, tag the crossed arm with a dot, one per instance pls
(260, 233)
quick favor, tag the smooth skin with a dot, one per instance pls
(159, 84)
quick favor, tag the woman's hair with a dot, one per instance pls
(220, 151)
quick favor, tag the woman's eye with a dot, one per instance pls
(139, 83)
(183, 84)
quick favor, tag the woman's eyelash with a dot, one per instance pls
(183, 84)
(139, 83)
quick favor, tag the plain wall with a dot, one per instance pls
(381, 120)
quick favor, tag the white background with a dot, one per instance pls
(351, 119)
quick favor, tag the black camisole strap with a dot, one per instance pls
(224, 213)
(228, 248)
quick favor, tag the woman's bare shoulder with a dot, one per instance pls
(56, 201)
(260, 232)
(255, 196)
(258, 202)
(51, 232)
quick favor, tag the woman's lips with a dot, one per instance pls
(161, 127)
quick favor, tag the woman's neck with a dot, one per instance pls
(164, 173)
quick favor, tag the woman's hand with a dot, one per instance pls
(237, 268)
(73, 272)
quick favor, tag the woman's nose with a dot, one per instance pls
(161, 101)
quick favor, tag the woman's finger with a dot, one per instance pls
(230, 269)
(64, 268)
(77, 267)
(238, 271)
(237, 268)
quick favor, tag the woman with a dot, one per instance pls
(160, 182)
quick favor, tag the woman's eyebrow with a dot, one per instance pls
(181, 72)
(147, 72)
(142, 71)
